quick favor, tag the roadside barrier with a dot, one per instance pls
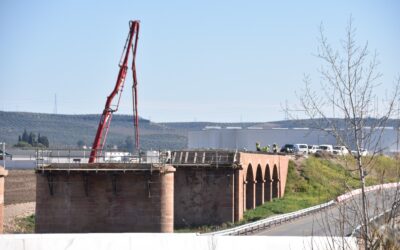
(350, 194)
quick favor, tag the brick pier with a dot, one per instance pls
(3, 174)
(105, 198)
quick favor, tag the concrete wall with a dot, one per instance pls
(88, 201)
(3, 174)
(203, 196)
(149, 241)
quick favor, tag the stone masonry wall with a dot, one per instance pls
(138, 202)
(203, 196)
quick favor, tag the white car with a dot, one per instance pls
(363, 152)
(340, 150)
(312, 149)
(301, 148)
(325, 148)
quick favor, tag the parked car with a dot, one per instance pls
(287, 148)
(363, 152)
(312, 149)
(9, 156)
(340, 150)
(325, 148)
(301, 148)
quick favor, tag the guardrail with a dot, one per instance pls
(356, 232)
(270, 222)
(350, 194)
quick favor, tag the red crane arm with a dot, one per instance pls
(106, 116)
(134, 93)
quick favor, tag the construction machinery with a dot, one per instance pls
(110, 108)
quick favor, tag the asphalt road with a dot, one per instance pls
(338, 220)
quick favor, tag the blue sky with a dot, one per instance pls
(197, 60)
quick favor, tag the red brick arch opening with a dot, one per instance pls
(259, 186)
(249, 188)
(275, 183)
(268, 184)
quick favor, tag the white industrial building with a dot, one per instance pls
(232, 138)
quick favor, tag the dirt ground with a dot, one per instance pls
(20, 187)
(13, 213)
(19, 198)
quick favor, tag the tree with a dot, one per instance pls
(345, 107)
(44, 141)
(81, 143)
(32, 139)
(129, 145)
(25, 136)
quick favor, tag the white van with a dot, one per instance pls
(325, 148)
(301, 148)
(312, 149)
(340, 150)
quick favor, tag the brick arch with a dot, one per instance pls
(247, 160)
(249, 188)
(259, 186)
(267, 184)
(275, 182)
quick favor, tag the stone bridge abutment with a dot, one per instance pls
(194, 188)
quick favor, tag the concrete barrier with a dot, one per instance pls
(150, 241)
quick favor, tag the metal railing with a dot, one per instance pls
(44, 157)
(203, 157)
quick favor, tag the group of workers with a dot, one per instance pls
(267, 148)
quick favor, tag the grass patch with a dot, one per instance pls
(320, 180)
(25, 224)
(317, 181)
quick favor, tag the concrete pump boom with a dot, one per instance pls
(105, 120)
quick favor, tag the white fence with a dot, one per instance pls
(154, 241)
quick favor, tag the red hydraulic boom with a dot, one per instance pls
(109, 109)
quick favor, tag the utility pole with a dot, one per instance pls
(55, 104)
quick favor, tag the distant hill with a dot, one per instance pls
(66, 130)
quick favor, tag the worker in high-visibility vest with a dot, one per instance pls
(275, 148)
(258, 148)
